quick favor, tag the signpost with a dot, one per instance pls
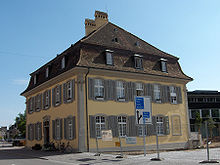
(143, 113)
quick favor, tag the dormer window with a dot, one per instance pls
(138, 61)
(35, 79)
(47, 72)
(115, 40)
(137, 44)
(163, 64)
(108, 56)
(63, 63)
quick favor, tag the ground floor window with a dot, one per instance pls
(122, 124)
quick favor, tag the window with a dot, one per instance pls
(157, 96)
(173, 95)
(35, 79)
(38, 133)
(38, 102)
(139, 89)
(100, 125)
(140, 131)
(205, 113)
(63, 63)
(46, 99)
(160, 127)
(99, 89)
(120, 91)
(70, 129)
(31, 106)
(47, 72)
(122, 124)
(194, 112)
(109, 59)
(69, 90)
(57, 95)
(58, 129)
(163, 63)
(31, 132)
(215, 113)
(138, 61)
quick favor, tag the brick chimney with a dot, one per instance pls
(100, 19)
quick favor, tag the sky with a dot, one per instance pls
(34, 32)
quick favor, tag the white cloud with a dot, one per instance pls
(20, 81)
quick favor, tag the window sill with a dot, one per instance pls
(99, 98)
(121, 99)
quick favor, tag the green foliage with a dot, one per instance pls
(20, 122)
(198, 121)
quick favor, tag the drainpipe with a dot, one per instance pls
(87, 125)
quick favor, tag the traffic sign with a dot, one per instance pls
(143, 109)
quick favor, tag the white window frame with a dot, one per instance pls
(160, 125)
(122, 125)
(31, 105)
(38, 131)
(57, 95)
(139, 89)
(58, 125)
(157, 93)
(109, 58)
(63, 63)
(163, 65)
(120, 90)
(140, 130)
(99, 89)
(173, 96)
(70, 128)
(99, 125)
(69, 92)
(138, 62)
(47, 99)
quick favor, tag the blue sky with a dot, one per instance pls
(33, 32)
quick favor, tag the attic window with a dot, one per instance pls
(63, 63)
(137, 44)
(115, 29)
(35, 79)
(47, 72)
(109, 58)
(138, 61)
(163, 65)
(115, 39)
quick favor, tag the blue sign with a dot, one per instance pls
(139, 103)
(146, 114)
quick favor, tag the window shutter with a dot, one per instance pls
(40, 101)
(53, 127)
(179, 95)
(53, 97)
(49, 98)
(29, 137)
(40, 135)
(105, 89)
(133, 129)
(32, 133)
(74, 127)
(92, 126)
(151, 128)
(113, 125)
(61, 128)
(148, 90)
(166, 125)
(131, 91)
(162, 92)
(28, 106)
(60, 93)
(91, 88)
(126, 91)
(110, 90)
(168, 94)
(35, 131)
(73, 89)
(65, 128)
(114, 90)
(44, 99)
(64, 93)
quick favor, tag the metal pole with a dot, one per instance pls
(120, 145)
(158, 154)
(97, 147)
(144, 139)
(207, 139)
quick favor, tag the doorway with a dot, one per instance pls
(46, 132)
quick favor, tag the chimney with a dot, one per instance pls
(100, 19)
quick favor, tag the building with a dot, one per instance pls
(91, 86)
(207, 104)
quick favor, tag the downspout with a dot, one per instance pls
(87, 125)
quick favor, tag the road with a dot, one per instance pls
(19, 156)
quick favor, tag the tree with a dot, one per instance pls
(211, 125)
(198, 122)
(20, 122)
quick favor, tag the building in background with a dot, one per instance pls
(3, 131)
(207, 104)
(91, 86)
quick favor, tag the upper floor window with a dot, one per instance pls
(100, 125)
(99, 89)
(157, 96)
(160, 125)
(47, 72)
(163, 63)
(56, 95)
(122, 124)
(109, 58)
(139, 89)
(38, 102)
(120, 90)
(46, 99)
(63, 63)
(138, 61)
(173, 97)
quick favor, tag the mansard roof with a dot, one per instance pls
(124, 45)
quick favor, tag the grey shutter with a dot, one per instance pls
(40, 135)
(74, 127)
(133, 129)
(166, 125)
(126, 91)
(92, 126)
(152, 94)
(151, 128)
(35, 131)
(40, 101)
(64, 93)
(114, 90)
(65, 128)
(73, 89)
(131, 91)
(105, 82)
(32, 136)
(168, 94)
(179, 95)
(110, 88)
(53, 127)
(49, 99)
(29, 132)
(113, 125)
(44, 98)
(61, 128)
(60, 93)
(28, 106)
(53, 97)
(91, 88)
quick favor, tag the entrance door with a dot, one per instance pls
(46, 132)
